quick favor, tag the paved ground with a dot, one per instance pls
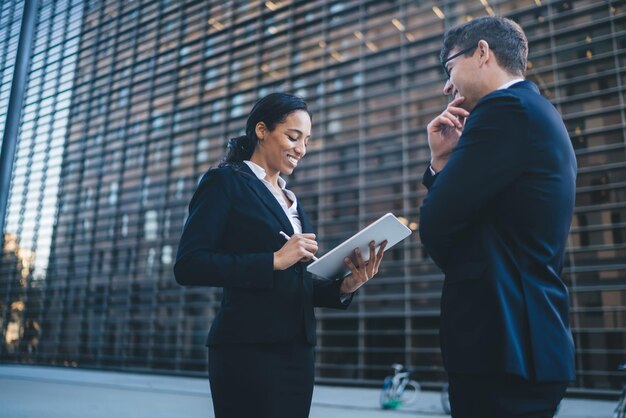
(51, 392)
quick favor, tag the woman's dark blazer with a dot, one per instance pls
(228, 241)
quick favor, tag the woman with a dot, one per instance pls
(261, 340)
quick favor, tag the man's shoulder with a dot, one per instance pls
(500, 110)
(531, 99)
(526, 92)
(523, 96)
(499, 104)
(500, 97)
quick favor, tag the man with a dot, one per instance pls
(496, 220)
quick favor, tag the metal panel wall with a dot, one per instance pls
(159, 87)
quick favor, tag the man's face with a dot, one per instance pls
(464, 74)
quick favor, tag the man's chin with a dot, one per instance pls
(467, 105)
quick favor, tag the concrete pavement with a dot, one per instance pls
(56, 392)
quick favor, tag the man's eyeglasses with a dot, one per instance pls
(458, 54)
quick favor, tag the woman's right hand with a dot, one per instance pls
(300, 247)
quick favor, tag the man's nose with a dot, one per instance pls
(447, 89)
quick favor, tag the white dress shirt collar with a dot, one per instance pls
(509, 83)
(260, 173)
(292, 210)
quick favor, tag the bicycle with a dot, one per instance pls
(399, 389)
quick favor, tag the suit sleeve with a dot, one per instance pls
(201, 260)
(490, 155)
(326, 294)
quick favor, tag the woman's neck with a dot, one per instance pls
(270, 175)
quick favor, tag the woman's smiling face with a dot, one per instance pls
(280, 150)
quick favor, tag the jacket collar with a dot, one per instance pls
(525, 84)
(260, 173)
(304, 220)
(266, 196)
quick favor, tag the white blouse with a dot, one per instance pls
(290, 211)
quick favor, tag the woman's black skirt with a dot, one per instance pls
(262, 381)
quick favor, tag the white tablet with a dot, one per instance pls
(331, 264)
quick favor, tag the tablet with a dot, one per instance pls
(387, 227)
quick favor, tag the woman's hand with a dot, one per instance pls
(300, 247)
(363, 271)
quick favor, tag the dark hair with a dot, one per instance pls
(271, 110)
(505, 37)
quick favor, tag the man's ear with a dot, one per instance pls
(261, 130)
(484, 51)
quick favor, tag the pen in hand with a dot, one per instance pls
(287, 237)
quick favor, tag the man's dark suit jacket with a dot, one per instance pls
(228, 241)
(496, 221)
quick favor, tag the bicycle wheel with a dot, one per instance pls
(409, 395)
(387, 399)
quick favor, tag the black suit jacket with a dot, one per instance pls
(496, 221)
(228, 241)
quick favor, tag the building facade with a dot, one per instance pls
(128, 103)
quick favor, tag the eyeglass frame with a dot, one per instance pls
(458, 54)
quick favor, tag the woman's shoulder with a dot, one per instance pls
(216, 181)
(227, 173)
(222, 172)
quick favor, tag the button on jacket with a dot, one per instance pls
(228, 241)
(496, 221)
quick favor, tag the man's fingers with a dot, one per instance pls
(456, 101)
(449, 120)
(454, 121)
(457, 112)
(440, 124)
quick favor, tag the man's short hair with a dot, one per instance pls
(505, 37)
